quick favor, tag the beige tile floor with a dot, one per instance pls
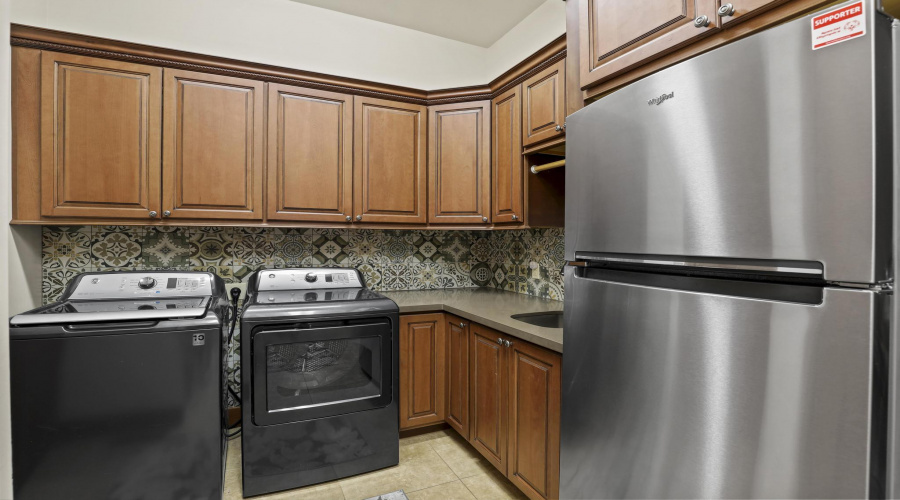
(438, 465)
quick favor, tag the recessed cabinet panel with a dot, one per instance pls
(544, 104)
(488, 385)
(389, 161)
(100, 137)
(213, 145)
(459, 163)
(310, 157)
(617, 35)
(457, 330)
(422, 370)
(534, 409)
(507, 166)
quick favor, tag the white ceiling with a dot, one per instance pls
(477, 22)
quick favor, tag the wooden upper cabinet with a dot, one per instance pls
(389, 161)
(616, 35)
(534, 419)
(488, 386)
(508, 189)
(422, 370)
(213, 146)
(544, 104)
(457, 331)
(100, 137)
(459, 163)
(310, 157)
(741, 9)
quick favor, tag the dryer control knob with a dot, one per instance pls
(147, 282)
(311, 277)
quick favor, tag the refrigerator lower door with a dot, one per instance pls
(682, 388)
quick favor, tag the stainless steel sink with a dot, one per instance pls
(552, 319)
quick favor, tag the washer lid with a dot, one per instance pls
(94, 311)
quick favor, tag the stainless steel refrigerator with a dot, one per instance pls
(728, 310)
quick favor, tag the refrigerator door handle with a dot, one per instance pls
(787, 267)
(775, 290)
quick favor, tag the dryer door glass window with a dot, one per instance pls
(320, 369)
(306, 374)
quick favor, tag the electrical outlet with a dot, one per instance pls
(535, 270)
(242, 286)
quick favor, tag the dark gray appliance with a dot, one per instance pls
(117, 389)
(319, 377)
(727, 328)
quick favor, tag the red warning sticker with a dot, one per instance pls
(838, 25)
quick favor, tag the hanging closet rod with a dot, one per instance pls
(547, 166)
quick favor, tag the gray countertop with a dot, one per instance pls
(487, 306)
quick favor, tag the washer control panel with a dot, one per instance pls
(308, 279)
(142, 284)
(294, 296)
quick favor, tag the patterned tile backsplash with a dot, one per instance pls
(389, 259)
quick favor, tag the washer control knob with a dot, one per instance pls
(311, 277)
(147, 282)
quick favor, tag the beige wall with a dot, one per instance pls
(541, 27)
(295, 35)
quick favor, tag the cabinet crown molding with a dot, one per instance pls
(73, 43)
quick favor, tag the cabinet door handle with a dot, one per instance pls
(462, 325)
(726, 10)
(507, 343)
(515, 217)
(359, 217)
(559, 128)
(153, 213)
(499, 341)
(167, 213)
(349, 218)
(701, 22)
(484, 219)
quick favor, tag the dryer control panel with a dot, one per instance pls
(141, 284)
(313, 278)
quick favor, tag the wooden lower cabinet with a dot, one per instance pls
(457, 330)
(488, 392)
(534, 413)
(422, 370)
(500, 393)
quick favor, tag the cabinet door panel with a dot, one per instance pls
(616, 36)
(100, 137)
(544, 104)
(459, 163)
(488, 385)
(422, 370)
(389, 161)
(213, 146)
(310, 157)
(507, 166)
(458, 374)
(534, 412)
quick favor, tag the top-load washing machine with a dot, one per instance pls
(319, 375)
(117, 389)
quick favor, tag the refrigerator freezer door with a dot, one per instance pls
(762, 149)
(683, 394)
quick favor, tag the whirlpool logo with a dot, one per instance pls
(661, 99)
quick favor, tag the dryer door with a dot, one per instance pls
(320, 369)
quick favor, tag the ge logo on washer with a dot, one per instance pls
(198, 339)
